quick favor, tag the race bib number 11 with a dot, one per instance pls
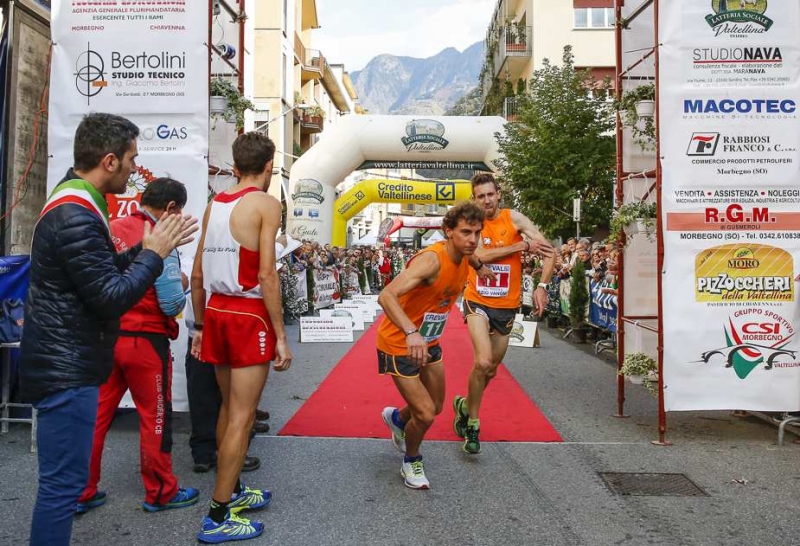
(432, 326)
(497, 288)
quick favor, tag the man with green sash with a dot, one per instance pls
(79, 289)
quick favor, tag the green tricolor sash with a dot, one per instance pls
(77, 192)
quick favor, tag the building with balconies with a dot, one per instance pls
(522, 33)
(296, 90)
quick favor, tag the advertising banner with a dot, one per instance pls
(101, 63)
(325, 330)
(524, 333)
(145, 61)
(302, 285)
(729, 92)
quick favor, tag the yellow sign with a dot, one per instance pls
(744, 273)
(362, 194)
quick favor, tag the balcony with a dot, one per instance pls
(510, 109)
(511, 49)
(310, 124)
(312, 63)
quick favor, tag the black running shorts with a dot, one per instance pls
(401, 366)
(500, 320)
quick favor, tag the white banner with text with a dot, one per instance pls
(729, 91)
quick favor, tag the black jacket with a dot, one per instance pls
(79, 288)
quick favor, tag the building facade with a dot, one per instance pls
(296, 90)
(522, 33)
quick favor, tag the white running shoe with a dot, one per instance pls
(414, 475)
(398, 435)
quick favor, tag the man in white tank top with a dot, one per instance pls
(240, 326)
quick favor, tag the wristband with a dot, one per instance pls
(198, 327)
(414, 331)
(480, 264)
(542, 285)
(527, 246)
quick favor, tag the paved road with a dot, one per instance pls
(349, 492)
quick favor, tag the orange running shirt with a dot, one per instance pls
(427, 306)
(504, 292)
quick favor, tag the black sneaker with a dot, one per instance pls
(250, 464)
(260, 427)
(202, 468)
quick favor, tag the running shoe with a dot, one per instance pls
(398, 434)
(414, 475)
(472, 443)
(99, 499)
(183, 498)
(233, 528)
(249, 499)
(460, 420)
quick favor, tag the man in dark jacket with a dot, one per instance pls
(79, 288)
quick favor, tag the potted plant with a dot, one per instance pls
(515, 37)
(578, 301)
(633, 218)
(235, 106)
(637, 108)
(639, 368)
(315, 114)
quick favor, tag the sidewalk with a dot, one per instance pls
(349, 492)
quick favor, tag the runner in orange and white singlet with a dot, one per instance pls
(490, 306)
(240, 328)
(417, 303)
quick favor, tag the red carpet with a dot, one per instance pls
(349, 401)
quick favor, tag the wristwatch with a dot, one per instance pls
(480, 264)
(542, 285)
(409, 332)
(198, 327)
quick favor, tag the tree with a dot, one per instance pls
(561, 147)
(578, 295)
(468, 105)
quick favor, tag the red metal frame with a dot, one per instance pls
(619, 198)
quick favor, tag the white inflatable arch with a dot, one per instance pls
(381, 142)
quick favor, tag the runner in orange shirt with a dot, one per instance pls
(489, 307)
(417, 303)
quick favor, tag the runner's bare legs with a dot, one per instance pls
(489, 351)
(241, 391)
(425, 397)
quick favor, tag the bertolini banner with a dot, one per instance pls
(142, 60)
(146, 61)
(729, 91)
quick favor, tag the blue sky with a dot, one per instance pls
(354, 31)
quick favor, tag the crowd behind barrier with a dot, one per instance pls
(317, 276)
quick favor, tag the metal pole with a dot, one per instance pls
(662, 414)
(619, 196)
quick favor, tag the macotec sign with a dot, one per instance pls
(385, 142)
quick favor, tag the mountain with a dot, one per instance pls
(406, 85)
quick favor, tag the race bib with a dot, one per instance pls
(497, 288)
(432, 326)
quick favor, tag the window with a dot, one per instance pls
(261, 121)
(594, 17)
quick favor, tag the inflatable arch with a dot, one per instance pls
(382, 142)
(353, 201)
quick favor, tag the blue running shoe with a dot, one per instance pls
(183, 498)
(250, 499)
(233, 528)
(99, 499)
